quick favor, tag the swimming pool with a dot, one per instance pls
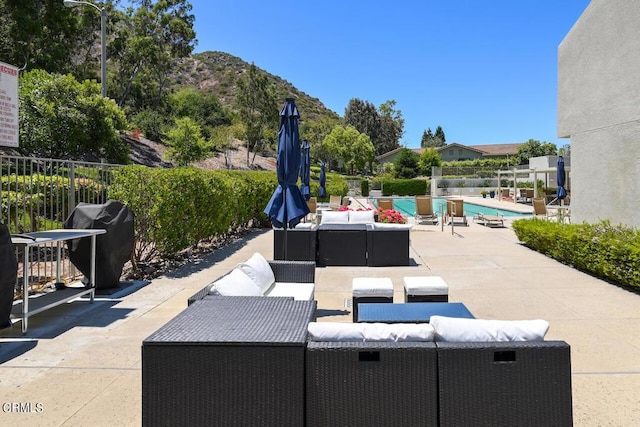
(407, 206)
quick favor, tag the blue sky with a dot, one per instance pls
(486, 71)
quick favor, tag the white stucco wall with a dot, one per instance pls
(599, 109)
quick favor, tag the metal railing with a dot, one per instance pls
(38, 194)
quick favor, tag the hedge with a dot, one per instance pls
(177, 208)
(610, 252)
(404, 187)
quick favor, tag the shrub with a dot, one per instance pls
(404, 187)
(604, 250)
(177, 208)
(364, 188)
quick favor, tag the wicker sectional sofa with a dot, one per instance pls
(261, 361)
(346, 238)
(450, 372)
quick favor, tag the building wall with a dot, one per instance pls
(449, 154)
(599, 109)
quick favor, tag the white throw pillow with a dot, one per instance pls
(361, 217)
(452, 329)
(304, 225)
(236, 283)
(335, 217)
(361, 332)
(336, 331)
(259, 270)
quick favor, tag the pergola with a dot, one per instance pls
(515, 172)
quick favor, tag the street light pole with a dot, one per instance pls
(103, 38)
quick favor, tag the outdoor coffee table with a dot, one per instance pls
(415, 312)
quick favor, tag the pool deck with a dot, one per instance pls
(80, 364)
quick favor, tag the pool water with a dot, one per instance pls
(407, 207)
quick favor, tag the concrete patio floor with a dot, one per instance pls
(80, 364)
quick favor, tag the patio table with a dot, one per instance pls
(415, 312)
(29, 305)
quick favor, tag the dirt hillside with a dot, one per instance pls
(150, 153)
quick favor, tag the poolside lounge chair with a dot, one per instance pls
(540, 209)
(385, 203)
(489, 220)
(424, 210)
(334, 202)
(312, 203)
(455, 212)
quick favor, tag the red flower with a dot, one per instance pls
(391, 216)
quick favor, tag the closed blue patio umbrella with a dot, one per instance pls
(305, 170)
(322, 192)
(561, 179)
(287, 206)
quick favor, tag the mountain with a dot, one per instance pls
(218, 72)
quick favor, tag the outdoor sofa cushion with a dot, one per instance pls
(236, 283)
(259, 270)
(335, 217)
(298, 291)
(451, 329)
(387, 226)
(361, 217)
(375, 332)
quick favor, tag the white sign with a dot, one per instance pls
(8, 105)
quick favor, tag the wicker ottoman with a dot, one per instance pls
(370, 289)
(425, 289)
(384, 384)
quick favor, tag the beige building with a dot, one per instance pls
(456, 152)
(599, 109)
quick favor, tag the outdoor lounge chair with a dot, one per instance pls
(334, 202)
(424, 210)
(489, 220)
(312, 204)
(455, 212)
(385, 204)
(540, 209)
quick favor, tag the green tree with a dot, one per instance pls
(144, 44)
(535, 148)
(223, 137)
(429, 158)
(358, 149)
(256, 102)
(385, 126)
(406, 164)
(391, 127)
(364, 117)
(63, 118)
(315, 132)
(205, 108)
(429, 139)
(151, 122)
(347, 145)
(186, 144)
(41, 35)
(439, 135)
